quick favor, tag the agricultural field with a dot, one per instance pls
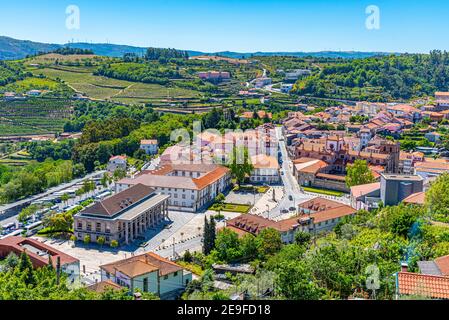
(138, 93)
(69, 60)
(17, 159)
(102, 88)
(34, 116)
(33, 83)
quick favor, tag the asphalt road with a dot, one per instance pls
(291, 186)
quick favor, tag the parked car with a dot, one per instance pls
(290, 197)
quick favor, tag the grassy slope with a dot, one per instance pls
(96, 87)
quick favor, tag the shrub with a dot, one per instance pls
(73, 238)
(101, 241)
(87, 239)
(114, 244)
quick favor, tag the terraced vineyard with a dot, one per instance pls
(96, 87)
(34, 116)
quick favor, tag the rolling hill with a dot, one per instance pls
(12, 49)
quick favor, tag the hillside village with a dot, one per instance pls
(275, 184)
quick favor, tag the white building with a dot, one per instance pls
(262, 82)
(148, 273)
(365, 137)
(296, 74)
(191, 187)
(117, 162)
(266, 170)
(286, 87)
(150, 147)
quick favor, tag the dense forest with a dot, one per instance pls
(395, 77)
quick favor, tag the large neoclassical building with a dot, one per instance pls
(122, 217)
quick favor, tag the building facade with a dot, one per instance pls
(148, 273)
(117, 163)
(189, 187)
(149, 146)
(395, 188)
(124, 217)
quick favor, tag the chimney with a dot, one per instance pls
(404, 266)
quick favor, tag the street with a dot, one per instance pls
(291, 187)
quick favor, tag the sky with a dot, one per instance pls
(231, 25)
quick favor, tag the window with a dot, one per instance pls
(145, 285)
(80, 225)
(89, 227)
(98, 227)
(175, 274)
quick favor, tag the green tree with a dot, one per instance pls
(227, 246)
(268, 242)
(65, 198)
(240, 164)
(358, 174)
(249, 247)
(28, 212)
(295, 282)
(303, 238)
(437, 197)
(207, 247)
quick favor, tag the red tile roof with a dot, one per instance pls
(18, 245)
(443, 265)
(145, 263)
(103, 286)
(435, 287)
(416, 198)
(320, 204)
(364, 189)
(334, 213)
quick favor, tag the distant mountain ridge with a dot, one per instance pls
(12, 49)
